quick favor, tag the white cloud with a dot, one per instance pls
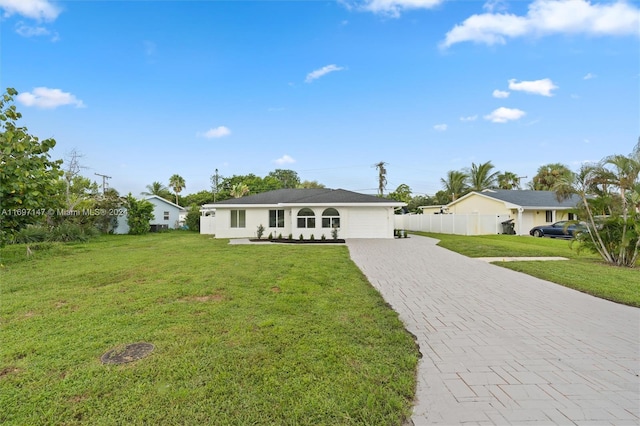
(28, 31)
(537, 87)
(285, 159)
(440, 127)
(500, 94)
(215, 132)
(313, 75)
(43, 97)
(502, 115)
(469, 118)
(493, 5)
(42, 10)
(589, 76)
(546, 17)
(391, 8)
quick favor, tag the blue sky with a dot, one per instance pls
(147, 89)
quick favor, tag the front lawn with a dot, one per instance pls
(584, 272)
(243, 334)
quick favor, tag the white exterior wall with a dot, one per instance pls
(355, 222)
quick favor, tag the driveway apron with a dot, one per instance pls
(500, 347)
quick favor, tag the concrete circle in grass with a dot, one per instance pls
(128, 353)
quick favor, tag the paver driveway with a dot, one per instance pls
(500, 347)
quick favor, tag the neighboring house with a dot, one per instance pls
(305, 212)
(166, 215)
(528, 208)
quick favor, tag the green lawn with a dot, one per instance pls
(584, 272)
(244, 335)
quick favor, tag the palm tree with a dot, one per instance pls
(239, 190)
(455, 184)
(382, 177)
(176, 182)
(508, 180)
(480, 176)
(547, 176)
(156, 188)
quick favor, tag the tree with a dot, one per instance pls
(239, 190)
(616, 236)
(157, 188)
(27, 174)
(139, 214)
(480, 176)
(548, 175)
(382, 177)
(199, 198)
(402, 193)
(286, 178)
(508, 180)
(176, 182)
(109, 205)
(455, 184)
(193, 218)
(310, 184)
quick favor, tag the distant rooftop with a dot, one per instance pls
(308, 196)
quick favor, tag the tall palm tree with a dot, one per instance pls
(508, 180)
(176, 182)
(480, 176)
(455, 184)
(156, 188)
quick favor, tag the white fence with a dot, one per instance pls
(460, 224)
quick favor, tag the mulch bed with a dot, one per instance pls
(288, 241)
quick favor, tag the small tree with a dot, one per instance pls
(260, 231)
(615, 237)
(140, 213)
(193, 218)
(27, 175)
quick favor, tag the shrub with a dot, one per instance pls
(193, 218)
(301, 237)
(279, 236)
(291, 236)
(31, 234)
(260, 231)
(270, 237)
(323, 237)
(140, 213)
(312, 238)
(334, 233)
(69, 231)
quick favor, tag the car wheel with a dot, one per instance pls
(537, 233)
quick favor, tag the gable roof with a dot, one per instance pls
(309, 196)
(526, 198)
(157, 197)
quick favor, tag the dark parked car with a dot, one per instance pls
(562, 229)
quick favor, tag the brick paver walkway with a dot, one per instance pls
(500, 347)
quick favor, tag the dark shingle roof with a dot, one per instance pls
(307, 196)
(528, 198)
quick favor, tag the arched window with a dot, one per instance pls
(306, 218)
(330, 218)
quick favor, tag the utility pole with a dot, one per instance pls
(104, 181)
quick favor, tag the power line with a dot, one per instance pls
(104, 181)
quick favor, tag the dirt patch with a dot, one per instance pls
(9, 370)
(276, 289)
(207, 298)
(128, 353)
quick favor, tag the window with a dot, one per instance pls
(572, 216)
(330, 218)
(238, 218)
(276, 218)
(306, 218)
(548, 216)
(166, 215)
